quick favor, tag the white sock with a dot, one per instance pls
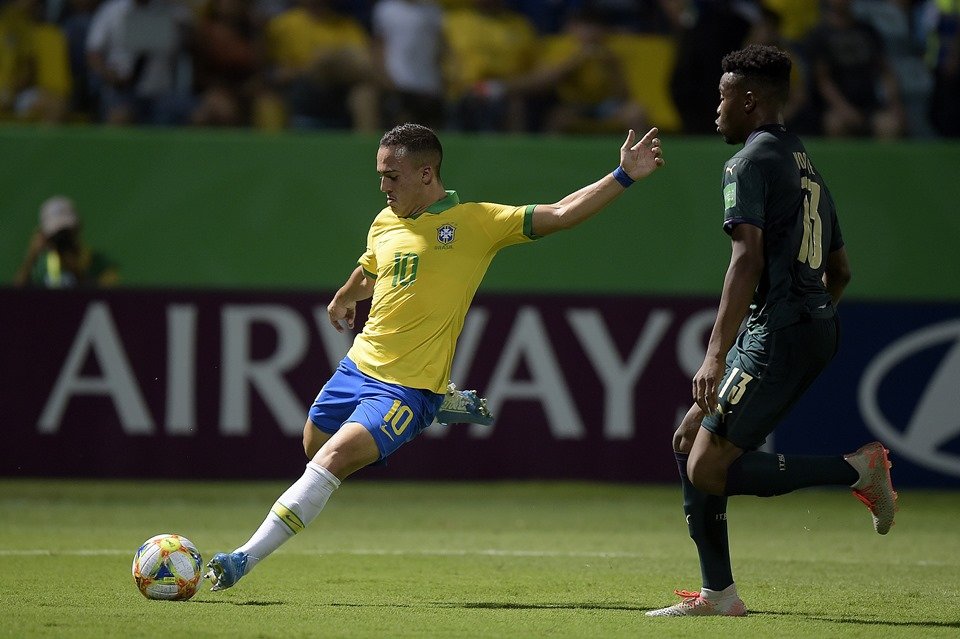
(719, 595)
(297, 507)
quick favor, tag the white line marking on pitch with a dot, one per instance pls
(41, 552)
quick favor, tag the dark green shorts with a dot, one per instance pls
(766, 375)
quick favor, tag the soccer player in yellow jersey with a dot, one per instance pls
(426, 254)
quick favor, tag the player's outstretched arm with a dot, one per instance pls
(343, 307)
(638, 159)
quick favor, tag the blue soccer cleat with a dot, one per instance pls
(226, 569)
(463, 407)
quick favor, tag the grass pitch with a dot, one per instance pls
(474, 560)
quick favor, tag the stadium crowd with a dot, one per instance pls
(879, 68)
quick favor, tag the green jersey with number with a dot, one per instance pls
(772, 184)
(427, 269)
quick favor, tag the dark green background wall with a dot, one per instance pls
(187, 208)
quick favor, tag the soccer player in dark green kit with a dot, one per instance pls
(788, 268)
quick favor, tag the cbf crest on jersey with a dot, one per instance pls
(446, 234)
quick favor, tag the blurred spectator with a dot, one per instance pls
(546, 16)
(409, 45)
(137, 49)
(263, 11)
(942, 23)
(225, 61)
(710, 29)
(57, 256)
(854, 82)
(585, 80)
(678, 15)
(360, 10)
(75, 23)
(635, 16)
(489, 46)
(320, 67)
(35, 81)
(905, 47)
(768, 29)
(797, 17)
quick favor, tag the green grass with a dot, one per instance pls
(474, 560)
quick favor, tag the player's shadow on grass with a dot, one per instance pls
(499, 605)
(227, 602)
(512, 605)
(864, 622)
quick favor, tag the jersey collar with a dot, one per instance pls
(440, 206)
(771, 128)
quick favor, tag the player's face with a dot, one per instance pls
(401, 180)
(731, 118)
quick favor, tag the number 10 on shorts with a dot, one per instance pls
(396, 420)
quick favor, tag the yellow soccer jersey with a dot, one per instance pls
(427, 270)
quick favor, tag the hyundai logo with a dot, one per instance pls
(935, 420)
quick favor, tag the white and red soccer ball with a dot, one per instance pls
(168, 566)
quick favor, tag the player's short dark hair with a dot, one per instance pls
(765, 65)
(414, 139)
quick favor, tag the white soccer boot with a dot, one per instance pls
(694, 604)
(874, 487)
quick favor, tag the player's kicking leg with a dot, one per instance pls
(291, 513)
(354, 436)
(349, 450)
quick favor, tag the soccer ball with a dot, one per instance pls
(167, 566)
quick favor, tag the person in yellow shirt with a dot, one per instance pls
(582, 80)
(35, 80)
(320, 68)
(425, 257)
(489, 45)
(797, 16)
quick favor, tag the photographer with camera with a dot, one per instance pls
(57, 257)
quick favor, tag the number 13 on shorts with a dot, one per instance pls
(737, 389)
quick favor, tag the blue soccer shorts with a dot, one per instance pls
(393, 414)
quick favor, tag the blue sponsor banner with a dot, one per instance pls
(896, 379)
